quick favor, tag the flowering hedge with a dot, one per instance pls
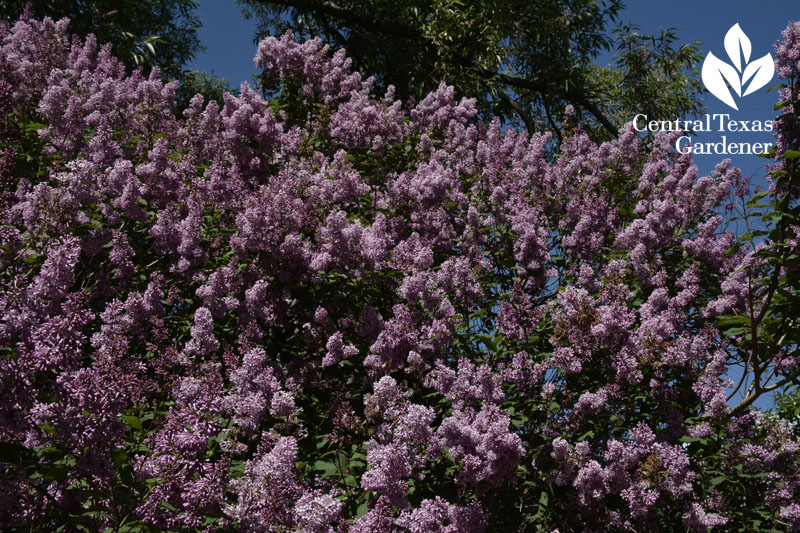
(317, 309)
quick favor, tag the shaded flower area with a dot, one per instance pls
(319, 309)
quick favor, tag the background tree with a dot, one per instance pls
(523, 61)
(143, 32)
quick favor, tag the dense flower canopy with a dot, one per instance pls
(318, 309)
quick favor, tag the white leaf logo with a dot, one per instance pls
(762, 71)
(715, 73)
(718, 75)
(736, 40)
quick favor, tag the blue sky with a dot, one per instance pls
(230, 52)
(229, 41)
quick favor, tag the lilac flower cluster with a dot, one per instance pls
(329, 311)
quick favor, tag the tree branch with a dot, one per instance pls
(526, 118)
(759, 390)
(594, 110)
(742, 379)
(573, 96)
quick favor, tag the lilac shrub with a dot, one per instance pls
(314, 308)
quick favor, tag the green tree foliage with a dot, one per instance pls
(143, 32)
(524, 61)
(211, 86)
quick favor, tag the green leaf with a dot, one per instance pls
(757, 197)
(328, 469)
(169, 506)
(34, 126)
(362, 510)
(732, 320)
(717, 480)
